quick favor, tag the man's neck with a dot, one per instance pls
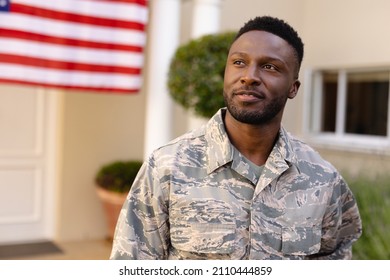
(255, 142)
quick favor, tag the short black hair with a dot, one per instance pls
(277, 27)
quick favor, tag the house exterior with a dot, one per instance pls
(53, 142)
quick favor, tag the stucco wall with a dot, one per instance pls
(97, 129)
(348, 33)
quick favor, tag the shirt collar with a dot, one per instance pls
(284, 147)
(219, 148)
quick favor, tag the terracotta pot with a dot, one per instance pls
(112, 205)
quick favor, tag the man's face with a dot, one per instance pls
(261, 73)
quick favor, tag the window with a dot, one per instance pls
(367, 103)
(350, 104)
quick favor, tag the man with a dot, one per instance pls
(241, 187)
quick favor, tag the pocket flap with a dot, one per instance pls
(301, 240)
(206, 238)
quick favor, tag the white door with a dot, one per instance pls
(27, 165)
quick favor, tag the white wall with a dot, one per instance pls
(347, 32)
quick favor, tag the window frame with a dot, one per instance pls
(339, 140)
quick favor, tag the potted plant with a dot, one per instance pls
(195, 76)
(114, 181)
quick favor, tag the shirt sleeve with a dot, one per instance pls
(341, 225)
(142, 228)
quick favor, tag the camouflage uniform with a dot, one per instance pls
(199, 198)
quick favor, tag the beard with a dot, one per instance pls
(261, 116)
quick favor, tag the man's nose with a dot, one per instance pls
(251, 76)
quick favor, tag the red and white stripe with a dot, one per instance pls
(80, 44)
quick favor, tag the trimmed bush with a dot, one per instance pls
(195, 78)
(118, 176)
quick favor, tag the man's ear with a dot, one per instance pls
(294, 89)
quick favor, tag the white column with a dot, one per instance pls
(206, 17)
(163, 31)
(206, 20)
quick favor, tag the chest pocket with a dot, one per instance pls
(209, 230)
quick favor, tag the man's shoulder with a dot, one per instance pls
(185, 141)
(197, 138)
(306, 155)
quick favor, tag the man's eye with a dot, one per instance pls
(269, 67)
(238, 62)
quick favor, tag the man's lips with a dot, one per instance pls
(248, 95)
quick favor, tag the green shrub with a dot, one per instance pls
(373, 198)
(195, 78)
(118, 176)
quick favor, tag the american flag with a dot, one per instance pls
(75, 44)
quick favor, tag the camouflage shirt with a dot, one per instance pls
(199, 198)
